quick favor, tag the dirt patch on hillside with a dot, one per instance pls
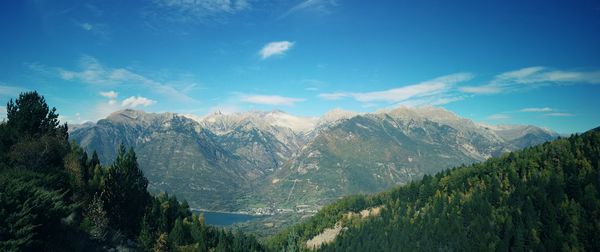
(329, 234)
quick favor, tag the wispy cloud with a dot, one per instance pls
(544, 109)
(93, 72)
(192, 11)
(559, 114)
(436, 100)
(485, 89)
(532, 77)
(275, 48)
(204, 7)
(97, 29)
(320, 6)
(270, 100)
(433, 92)
(334, 96)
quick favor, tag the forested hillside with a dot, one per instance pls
(54, 197)
(543, 198)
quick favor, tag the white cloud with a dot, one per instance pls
(532, 77)
(270, 100)
(275, 48)
(520, 74)
(402, 93)
(93, 72)
(135, 101)
(487, 89)
(86, 26)
(334, 96)
(434, 100)
(110, 94)
(544, 109)
(105, 108)
(437, 91)
(543, 75)
(557, 114)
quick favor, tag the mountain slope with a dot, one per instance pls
(265, 139)
(371, 152)
(542, 198)
(175, 153)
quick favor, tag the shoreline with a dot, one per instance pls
(225, 212)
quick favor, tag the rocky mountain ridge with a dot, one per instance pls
(271, 159)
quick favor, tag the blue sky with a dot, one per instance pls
(497, 62)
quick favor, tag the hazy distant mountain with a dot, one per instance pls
(521, 136)
(232, 161)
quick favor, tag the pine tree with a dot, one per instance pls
(198, 233)
(30, 116)
(178, 235)
(125, 193)
(32, 137)
(93, 162)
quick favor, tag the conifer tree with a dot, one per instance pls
(125, 193)
(178, 234)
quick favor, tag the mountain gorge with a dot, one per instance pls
(273, 160)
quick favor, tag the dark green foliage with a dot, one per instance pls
(30, 212)
(125, 194)
(36, 206)
(544, 198)
(178, 235)
(30, 116)
(32, 138)
(53, 198)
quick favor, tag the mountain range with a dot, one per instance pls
(542, 198)
(268, 161)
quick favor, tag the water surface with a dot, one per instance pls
(224, 219)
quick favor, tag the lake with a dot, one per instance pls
(224, 219)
